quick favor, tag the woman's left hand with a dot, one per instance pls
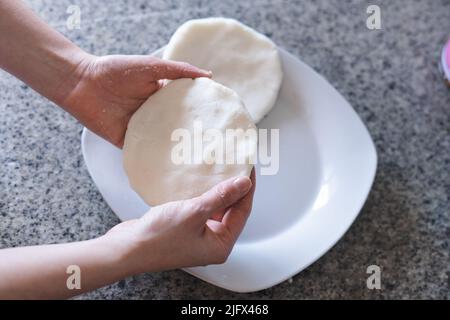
(110, 89)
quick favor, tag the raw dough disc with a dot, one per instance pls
(184, 104)
(239, 57)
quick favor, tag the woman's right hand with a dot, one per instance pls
(194, 232)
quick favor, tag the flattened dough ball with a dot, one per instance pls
(239, 57)
(160, 149)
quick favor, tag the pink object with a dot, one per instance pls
(445, 61)
(447, 49)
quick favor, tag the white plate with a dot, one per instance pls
(327, 166)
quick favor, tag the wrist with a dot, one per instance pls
(115, 256)
(76, 66)
(127, 252)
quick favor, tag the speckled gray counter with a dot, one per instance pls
(389, 76)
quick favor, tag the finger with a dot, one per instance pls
(167, 69)
(223, 195)
(236, 217)
(217, 216)
(244, 203)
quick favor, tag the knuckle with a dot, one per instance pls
(201, 207)
(173, 206)
(222, 194)
(192, 208)
(189, 206)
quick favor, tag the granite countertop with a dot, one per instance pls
(390, 77)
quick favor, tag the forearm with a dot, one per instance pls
(40, 272)
(37, 54)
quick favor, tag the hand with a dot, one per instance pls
(110, 89)
(188, 233)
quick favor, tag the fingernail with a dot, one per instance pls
(243, 184)
(208, 72)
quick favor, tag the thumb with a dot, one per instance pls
(224, 195)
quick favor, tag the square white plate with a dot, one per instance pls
(327, 166)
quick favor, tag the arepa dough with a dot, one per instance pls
(239, 57)
(149, 142)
